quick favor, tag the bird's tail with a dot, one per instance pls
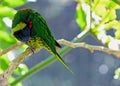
(59, 58)
(63, 62)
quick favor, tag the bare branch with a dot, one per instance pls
(20, 58)
(3, 81)
(14, 64)
(11, 48)
(92, 48)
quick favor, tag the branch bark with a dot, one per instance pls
(14, 64)
(11, 48)
(20, 58)
(92, 48)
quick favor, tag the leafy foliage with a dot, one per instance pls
(6, 39)
(13, 3)
(103, 18)
(99, 16)
(117, 73)
(117, 1)
(80, 17)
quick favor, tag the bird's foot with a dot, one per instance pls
(32, 49)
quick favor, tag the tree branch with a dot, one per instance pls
(20, 58)
(14, 64)
(3, 81)
(11, 48)
(92, 48)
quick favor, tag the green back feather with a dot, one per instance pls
(39, 29)
(43, 31)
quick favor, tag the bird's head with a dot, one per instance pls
(20, 23)
(21, 17)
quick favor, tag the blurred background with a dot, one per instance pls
(91, 69)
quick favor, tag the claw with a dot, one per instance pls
(32, 49)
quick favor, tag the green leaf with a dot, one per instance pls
(80, 17)
(117, 34)
(4, 61)
(2, 25)
(11, 79)
(13, 3)
(100, 10)
(112, 24)
(112, 15)
(6, 40)
(117, 73)
(116, 1)
(22, 69)
(102, 7)
(7, 12)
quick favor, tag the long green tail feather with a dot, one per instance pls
(63, 62)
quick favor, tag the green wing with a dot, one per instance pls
(41, 28)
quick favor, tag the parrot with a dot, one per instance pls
(30, 27)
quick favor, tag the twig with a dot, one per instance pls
(14, 64)
(3, 81)
(92, 48)
(11, 48)
(20, 58)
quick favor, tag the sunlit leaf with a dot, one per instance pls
(13, 3)
(117, 74)
(2, 24)
(4, 63)
(102, 7)
(11, 79)
(100, 10)
(112, 15)
(110, 4)
(22, 69)
(6, 40)
(117, 34)
(85, 1)
(117, 1)
(112, 24)
(80, 17)
(7, 12)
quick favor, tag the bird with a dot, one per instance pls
(30, 27)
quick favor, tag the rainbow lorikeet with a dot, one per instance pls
(31, 28)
